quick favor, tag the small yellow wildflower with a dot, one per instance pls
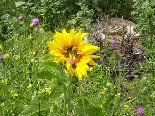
(126, 107)
(32, 53)
(35, 91)
(41, 91)
(31, 25)
(103, 92)
(98, 65)
(1, 77)
(151, 95)
(82, 88)
(53, 80)
(48, 90)
(29, 86)
(6, 56)
(25, 106)
(15, 95)
(13, 114)
(4, 81)
(2, 104)
(42, 14)
(32, 96)
(17, 56)
(29, 37)
(43, 52)
(118, 95)
(33, 59)
(108, 84)
(91, 68)
(105, 89)
(130, 97)
(1, 47)
(102, 107)
(41, 30)
(12, 91)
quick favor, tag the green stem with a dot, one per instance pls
(83, 105)
(119, 76)
(82, 97)
(65, 112)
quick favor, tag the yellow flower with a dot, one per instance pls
(41, 30)
(13, 114)
(90, 68)
(118, 95)
(42, 14)
(12, 91)
(29, 37)
(4, 81)
(126, 106)
(48, 90)
(25, 106)
(2, 104)
(41, 91)
(32, 53)
(17, 56)
(1, 47)
(43, 52)
(30, 85)
(32, 96)
(6, 56)
(31, 25)
(71, 49)
(1, 77)
(53, 80)
(33, 59)
(105, 89)
(108, 84)
(15, 95)
(103, 92)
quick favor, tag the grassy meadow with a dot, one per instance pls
(32, 83)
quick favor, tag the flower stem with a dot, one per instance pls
(65, 112)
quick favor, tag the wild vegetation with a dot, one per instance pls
(46, 69)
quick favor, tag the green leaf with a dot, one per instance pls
(19, 3)
(76, 108)
(33, 107)
(47, 75)
(73, 21)
(90, 109)
(50, 66)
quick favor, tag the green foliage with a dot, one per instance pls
(143, 13)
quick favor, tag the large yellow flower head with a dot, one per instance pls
(71, 49)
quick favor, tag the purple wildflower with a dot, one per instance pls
(35, 21)
(140, 111)
(136, 25)
(49, 23)
(1, 57)
(20, 17)
(15, 86)
(72, 62)
(113, 41)
(27, 78)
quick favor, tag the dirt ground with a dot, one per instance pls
(127, 43)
